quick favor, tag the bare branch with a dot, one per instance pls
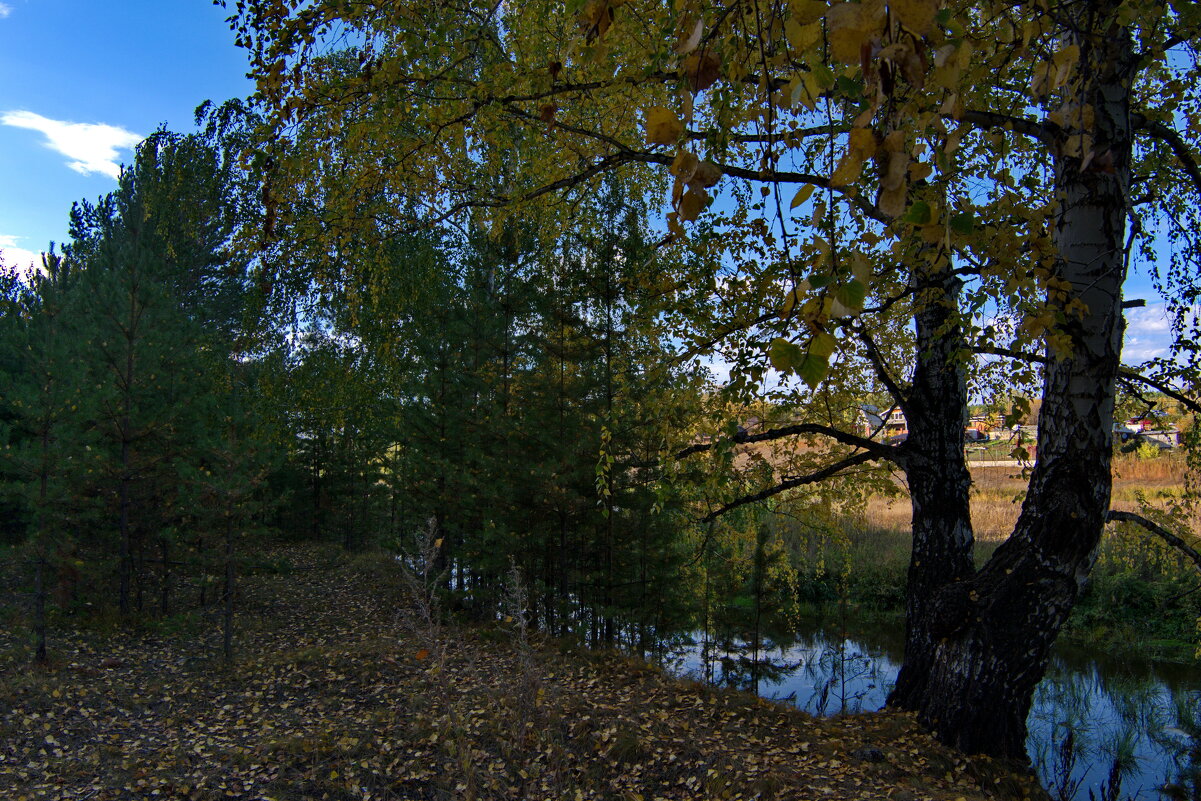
(877, 449)
(800, 481)
(1158, 530)
(1127, 375)
(877, 360)
(726, 330)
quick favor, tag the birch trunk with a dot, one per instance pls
(988, 639)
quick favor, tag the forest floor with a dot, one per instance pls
(334, 695)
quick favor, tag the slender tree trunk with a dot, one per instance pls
(125, 426)
(139, 573)
(317, 460)
(165, 598)
(39, 607)
(39, 577)
(227, 642)
(757, 624)
(126, 567)
(993, 633)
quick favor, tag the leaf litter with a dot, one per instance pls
(331, 698)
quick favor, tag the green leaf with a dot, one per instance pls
(823, 345)
(818, 280)
(963, 223)
(784, 355)
(813, 369)
(824, 76)
(918, 214)
(852, 294)
(849, 88)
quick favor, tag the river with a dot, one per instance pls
(1100, 728)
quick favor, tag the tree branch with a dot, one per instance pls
(726, 330)
(1158, 530)
(1046, 132)
(800, 481)
(1174, 141)
(881, 369)
(878, 450)
(1128, 375)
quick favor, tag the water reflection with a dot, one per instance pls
(1100, 729)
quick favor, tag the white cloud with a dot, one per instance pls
(90, 148)
(5, 10)
(1148, 333)
(24, 260)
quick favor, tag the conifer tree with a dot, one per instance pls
(44, 436)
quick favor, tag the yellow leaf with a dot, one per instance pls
(860, 269)
(823, 345)
(847, 170)
(951, 106)
(920, 170)
(707, 174)
(684, 166)
(1040, 78)
(863, 142)
(806, 11)
(916, 15)
(802, 37)
(1067, 56)
(702, 69)
(933, 234)
(673, 224)
(693, 203)
(812, 91)
(850, 26)
(894, 174)
(689, 35)
(892, 201)
(663, 127)
(437, 543)
(595, 18)
(801, 196)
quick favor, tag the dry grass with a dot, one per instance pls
(997, 494)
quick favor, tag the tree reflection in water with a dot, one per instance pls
(1100, 729)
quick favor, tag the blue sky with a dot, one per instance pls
(81, 81)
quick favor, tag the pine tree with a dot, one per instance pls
(44, 451)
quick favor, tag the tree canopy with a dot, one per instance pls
(900, 187)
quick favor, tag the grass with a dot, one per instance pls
(1142, 597)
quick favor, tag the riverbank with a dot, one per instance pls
(1143, 599)
(334, 696)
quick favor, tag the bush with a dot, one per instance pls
(1147, 450)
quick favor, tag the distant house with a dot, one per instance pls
(989, 425)
(887, 424)
(1168, 436)
(1126, 430)
(1147, 429)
